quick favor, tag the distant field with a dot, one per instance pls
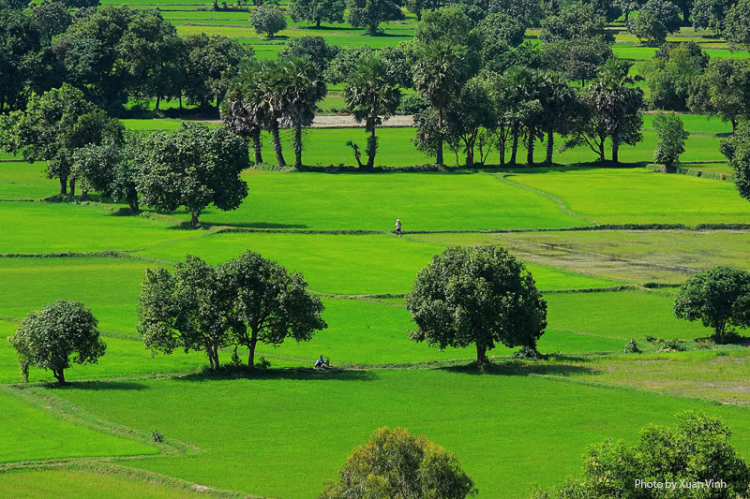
(515, 430)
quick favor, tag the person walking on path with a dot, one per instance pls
(398, 227)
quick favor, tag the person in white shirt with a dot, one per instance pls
(398, 227)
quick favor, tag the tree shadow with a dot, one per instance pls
(101, 386)
(248, 225)
(282, 374)
(522, 368)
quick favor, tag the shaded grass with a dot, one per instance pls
(32, 434)
(515, 430)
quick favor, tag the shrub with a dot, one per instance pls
(671, 136)
(268, 19)
(632, 347)
(157, 436)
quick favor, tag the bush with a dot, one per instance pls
(632, 347)
(671, 345)
(157, 436)
(671, 136)
(268, 19)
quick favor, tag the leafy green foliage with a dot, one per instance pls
(718, 297)
(671, 139)
(479, 295)
(577, 21)
(737, 24)
(395, 464)
(269, 303)
(723, 90)
(20, 40)
(51, 18)
(737, 150)
(655, 20)
(711, 14)
(316, 11)
(671, 72)
(55, 125)
(698, 450)
(47, 338)
(372, 95)
(313, 48)
(370, 13)
(268, 19)
(193, 167)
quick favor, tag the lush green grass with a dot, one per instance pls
(640, 196)
(61, 227)
(85, 485)
(334, 263)
(21, 180)
(374, 202)
(284, 435)
(31, 434)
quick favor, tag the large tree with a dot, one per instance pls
(317, 11)
(737, 151)
(719, 298)
(395, 464)
(20, 40)
(480, 295)
(314, 49)
(193, 166)
(49, 337)
(51, 18)
(697, 451)
(268, 19)
(655, 20)
(737, 25)
(245, 112)
(188, 309)
(611, 110)
(578, 20)
(723, 90)
(372, 95)
(671, 72)
(55, 125)
(269, 304)
(440, 72)
(469, 118)
(370, 13)
(711, 14)
(298, 91)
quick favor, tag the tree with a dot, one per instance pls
(737, 150)
(20, 39)
(299, 90)
(417, 7)
(529, 11)
(656, 20)
(723, 90)
(269, 304)
(671, 137)
(268, 19)
(345, 63)
(111, 168)
(440, 72)
(317, 11)
(395, 464)
(53, 126)
(500, 31)
(718, 298)
(149, 54)
(193, 167)
(314, 49)
(450, 25)
(480, 295)
(47, 338)
(372, 95)
(629, 6)
(370, 13)
(577, 21)
(211, 63)
(610, 109)
(559, 103)
(737, 25)
(50, 19)
(245, 112)
(710, 14)
(698, 450)
(528, 94)
(190, 309)
(580, 59)
(671, 71)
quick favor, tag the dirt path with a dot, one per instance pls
(348, 121)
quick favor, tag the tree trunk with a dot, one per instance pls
(686, 14)
(615, 150)
(734, 125)
(72, 187)
(298, 147)
(550, 146)
(158, 101)
(133, 203)
(481, 355)
(59, 375)
(372, 148)
(251, 355)
(216, 357)
(514, 149)
(317, 23)
(257, 145)
(277, 144)
(601, 151)
(530, 148)
(439, 158)
(194, 218)
(84, 194)
(63, 186)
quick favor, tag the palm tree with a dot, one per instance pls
(270, 78)
(244, 112)
(298, 90)
(372, 95)
(439, 74)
